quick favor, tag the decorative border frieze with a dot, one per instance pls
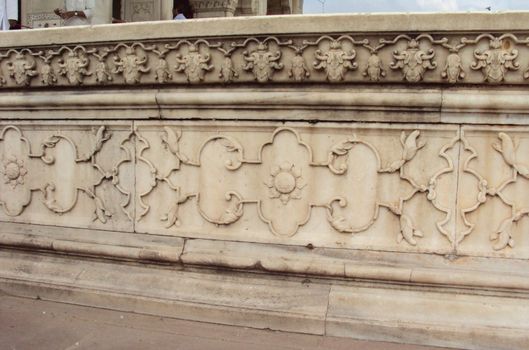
(393, 185)
(424, 58)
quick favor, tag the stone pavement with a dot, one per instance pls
(41, 325)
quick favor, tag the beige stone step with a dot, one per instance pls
(474, 319)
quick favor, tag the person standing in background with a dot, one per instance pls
(4, 24)
(86, 12)
(178, 13)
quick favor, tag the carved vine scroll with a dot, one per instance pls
(426, 58)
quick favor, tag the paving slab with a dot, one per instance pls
(27, 324)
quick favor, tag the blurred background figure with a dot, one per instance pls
(85, 12)
(4, 24)
(182, 9)
(178, 12)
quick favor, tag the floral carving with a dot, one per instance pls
(507, 147)
(496, 61)
(337, 220)
(194, 64)
(14, 156)
(338, 152)
(22, 69)
(172, 217)
(453, 70)
(410, 145)
(282, 205)
(170, 141)
(13, 171)
(232, 213)
(335, 61)
(102, 135)
(298, 68)
(262, 62)
(102, 72)
(74, 67)
(162, 71)
(131, 65)
(413, 61)
(285, 182)
(47, 75)
(374, 68)
(227, 71)
(408, 231)
(49, 198)
(334, 56)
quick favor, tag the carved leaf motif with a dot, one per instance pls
(507, 147)
(340, 223)
(408, 232)
(394, 166)
(412, 145)
(483, 189)
(232, 213)
(496, 61)
(374, 68)
(21, 69)
(101, 213)
(503, 236)
(230, 216)
(47, 74)
(102, 135)
(49, 199)
(227, 71)
(335, 61)
(341, 150)
(229, 145)
(171, 140)
(453, 71)
(51, 141)
(413, 62)
(298, 68)
(172, 216)
(344, 147)
(432, 193)
(262, 62)
(194, 64)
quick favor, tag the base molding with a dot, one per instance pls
(473, 319)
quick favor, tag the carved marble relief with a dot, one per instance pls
(21, 67)
(194, 61)
(335, 60)
(414, 62)
(390, 187)
(290, 185)
(497, 60)
(59, 176)
(261, 60)
(74, 66)
(453, 59)
(130, 62)
(495, 203)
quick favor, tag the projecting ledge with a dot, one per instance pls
(434, 105)
(407, 268)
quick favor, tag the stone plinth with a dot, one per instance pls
(376, 180)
